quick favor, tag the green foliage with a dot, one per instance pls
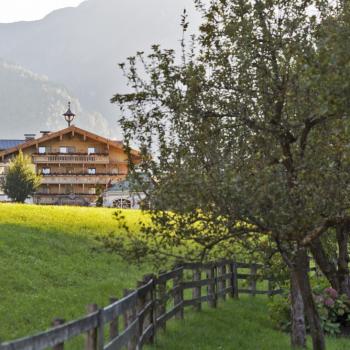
(245, 136)
(279, 311)
(20, 181)
(99, 193)
(334, 311)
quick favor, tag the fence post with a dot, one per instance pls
(141, 302)
(100, 331)
(222, 280)
(129, 317)
(234, 280)
(178, 295)
(91, 335)
(55, 323)
(211, 287)
(161, 302)
(230, 282)
(253, 271)
(114, 325)
(149, 318)
(197, 291)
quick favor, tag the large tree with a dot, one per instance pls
(247, 136)
(20, 181)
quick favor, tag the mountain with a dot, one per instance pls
(81, 47)
(30, 103)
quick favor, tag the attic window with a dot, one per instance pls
(91, 150)
(42, 150)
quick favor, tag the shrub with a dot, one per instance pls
(334, 311)
(280, 313)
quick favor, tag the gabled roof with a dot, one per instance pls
(52, 135)
(6, 144)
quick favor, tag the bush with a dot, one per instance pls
(334, 311)
(280, 313)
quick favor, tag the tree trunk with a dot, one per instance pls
(343, 260)
(328, 268)
(338, 276)
(298, 335)
(301, 270)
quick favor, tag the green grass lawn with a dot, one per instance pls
(52, 266)
(235, 325)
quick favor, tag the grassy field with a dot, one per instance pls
(52, 266)
(235, 325)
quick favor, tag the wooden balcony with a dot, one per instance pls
(79, 179)
(61, 194)
(70, 158)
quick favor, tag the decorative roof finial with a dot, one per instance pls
(69, 115)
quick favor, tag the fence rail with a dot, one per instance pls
(156, 300)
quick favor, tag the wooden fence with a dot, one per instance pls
(135, 319)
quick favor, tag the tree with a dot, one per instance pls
(246, 137)
(20, 181)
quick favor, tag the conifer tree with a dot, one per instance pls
(20, 181)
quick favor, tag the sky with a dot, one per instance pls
(28, 10)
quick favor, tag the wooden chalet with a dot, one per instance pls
(75, 164)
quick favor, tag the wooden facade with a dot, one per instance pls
(74, 164)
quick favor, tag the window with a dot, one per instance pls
(46, 171)
(67, 149)
(42, 150)
(122, 203)
(69, 170)
(92, 190)
(92, 171)
(44, 190)
(91, 150)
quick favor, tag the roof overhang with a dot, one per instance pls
(72, 129)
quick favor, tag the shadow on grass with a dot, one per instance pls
(235, 325)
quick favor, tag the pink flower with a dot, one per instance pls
(331, 292)
(329, 302)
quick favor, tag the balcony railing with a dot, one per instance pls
(64, 194)
(79, 179)
(71, 158)
(81, 173)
